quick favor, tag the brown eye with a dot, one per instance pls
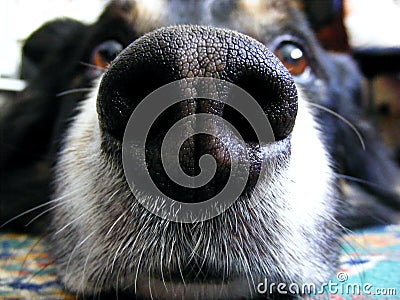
(105, 53)
(292, 57)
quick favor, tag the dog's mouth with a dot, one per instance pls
(213, 273)
(159, 289)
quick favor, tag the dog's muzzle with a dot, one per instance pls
(184, 52)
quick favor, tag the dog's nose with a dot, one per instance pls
(179, 52)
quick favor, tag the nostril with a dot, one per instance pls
(263, 76)
(239, 122)
(277, 102)
(125, 84)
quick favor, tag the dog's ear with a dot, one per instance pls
(45, 41)
(48, 57)
(321, 12)
(369, 174)
(27, 123)
(326, 18)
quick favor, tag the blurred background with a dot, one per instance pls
(368, 22)
(19, 18)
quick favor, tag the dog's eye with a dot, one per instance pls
(292, 57)
(105, 53)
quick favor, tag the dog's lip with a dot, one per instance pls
(200, 276)
(151, 287)
(177, 279)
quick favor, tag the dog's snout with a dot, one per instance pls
(180, 52)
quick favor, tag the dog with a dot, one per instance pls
(69, 126)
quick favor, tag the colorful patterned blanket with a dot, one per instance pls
(369, 269)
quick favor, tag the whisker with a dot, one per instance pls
(76, 247)
(40, 270)
(118, 280)
(337, 223)
(73, 91)
(172, 251)
(161, 259)
(115, 223)
(359, 180)
(85, 266)
(347, 122)
(89, 211)
(26, 256)
(98, 284)
(182, 234)
(348, 255)
(124, 243)
(33, 209)
(121, 250)
(225, 274)
(85, 213)
(204, 257)
(23, 214)
(151, 294)
(137, 269)
(92, 66)
(42, 213)
(180, 271)
(249, 276)
(119, 218)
